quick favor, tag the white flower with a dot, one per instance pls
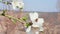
(16, 4)
(38, 23)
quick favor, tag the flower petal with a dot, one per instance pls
(33, 16)
(39, 23)
(28, 29)
(41, 29)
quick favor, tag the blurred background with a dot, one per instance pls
(36, 5)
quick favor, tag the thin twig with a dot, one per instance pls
(20, 20)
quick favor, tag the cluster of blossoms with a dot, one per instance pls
(15, 3)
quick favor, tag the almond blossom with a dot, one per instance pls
(37, 22)
(17, 4)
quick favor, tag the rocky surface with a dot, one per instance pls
(51, 24)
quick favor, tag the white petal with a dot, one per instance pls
(35, 24)
(33, 16)
(41, 29)
(14, 5)
(21, 4)
(37, 32)
(28, 29)
(40, 21)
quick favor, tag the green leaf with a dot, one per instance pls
(21, 8)
(14, 21)
(17, 6)
(3, 12)
(24, 18)
(27, 25)
(6, 3)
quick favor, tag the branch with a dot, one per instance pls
(20, 20)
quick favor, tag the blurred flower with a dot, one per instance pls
(17, 4)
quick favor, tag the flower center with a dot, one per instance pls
(36, 19)
(30, 23)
